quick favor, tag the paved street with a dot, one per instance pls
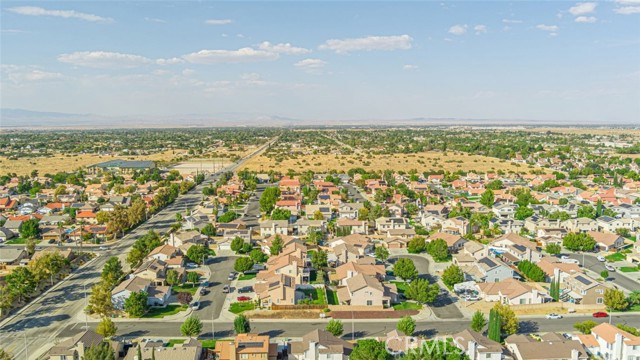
(211, 304)
(591, 262)
(378, 327)
(40, 322)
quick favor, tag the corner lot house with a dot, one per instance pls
(511, 292)
(615, 343)
(607, 241)
(158, 295)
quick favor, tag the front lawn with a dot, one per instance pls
(20, 241)
(401, 286)
(332, 296)
(615, 257)
(239, 307)
(628, 269)
(316, 294)
(247, 276)
(160, 312)
(172, 342)
(208, 344)
(407, 305)
(187, 287)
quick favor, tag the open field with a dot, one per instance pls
(60, 162)
(586, 130)
(424, 161)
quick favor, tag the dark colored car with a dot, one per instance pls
(204, 292)
(243, 298)
(245, 289)
(600, 314)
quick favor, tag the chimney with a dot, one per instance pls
(313, 350)
(472, 350)
(232, 351)
(575, 354)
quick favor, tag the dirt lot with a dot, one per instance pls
(421, 161)
(540, 309)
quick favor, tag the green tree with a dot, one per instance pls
(495, 185)
(508, 319)
(258, 256)
(604, 274)
(554, 290)
(578, 242)
(208, 230)
(173, 278)
(406, 325)
(630, 329)
(370, 349)
(191, 327)
(31, 246)
(197, 253)
(5, 355)
(439, 250)
(243, 264)
(136, 304)
(416, 245)
(634, 298)
(137, 212)
(523, 212)
(106, 328)
(531, 271)
(335, 327)
(21, 283)
(478, 321)
(319, 259)
(421, 291)
(241, 324)
(553, 249)
(585, 326)
(405, 269)
(488, 198)
(382, 253)
(614, 299)
(100, 299)
(280, 214)
(268, 199)
(112, 271)
(317, 215)
(452, 275)
(193, 277)
(276, 245)
(101, 351)
(227, 217)
(102, 217)
(118, 221)
(236, 244)
(494, 332)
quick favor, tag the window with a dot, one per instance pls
(244, 356)
(369, 302)
(599, 291)
(599, 300)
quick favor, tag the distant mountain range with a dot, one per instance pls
(27, 119)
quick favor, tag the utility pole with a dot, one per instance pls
(353, 327)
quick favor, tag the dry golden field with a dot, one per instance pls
(425, 161)
(60, 162)
(589, 131)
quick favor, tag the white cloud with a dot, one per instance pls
(551, 28)
(310, 65)
(170, 61)
(283, 48)
(67, 14)
(38, 75)
(458, 29)
(480, 29)
(369, 43)
(627, 10)
(218, 21)
(409, 67)
(229, 56)
(583, 8)
(586, 19)
(253, 79)
(155, 20)
(511, 21)
(104, 59)
(19, 74)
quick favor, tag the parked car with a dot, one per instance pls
(225, 289)
(51, 241)
(609, 267)
(601, 258)
(204, 291)
(600, 314)
(553, 316)
(567, 336)
(564, 257)
(103, 248)
(472, 298)
(195, 305)
(231, 276)
(245, 289)
(205, 283)
(192, 265)
(243, 298)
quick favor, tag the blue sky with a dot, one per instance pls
(568, 61)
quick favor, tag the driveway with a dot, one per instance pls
(591, 262)
(445, 305)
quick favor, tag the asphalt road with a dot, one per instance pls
(591, 262)
(160, 329)
(211, 304)
(34, 328)
(251, 214)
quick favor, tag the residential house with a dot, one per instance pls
(163, 252)
(386, 223)
(349, 210)
(487, 269)
(365, 266)
(580, 225)
(552, 347)
(555, 269)
(610, 224)
(607, 241)
(75, 347)
(246, 347)
(229, 235)
(55, 234)
(11, 255)
(320, 345)
(356, 226)
(191, 349)
(456, 226)
(505, 211)
(431, 221)
(5, 234)
(305, 226)
(14, 226)
(157, 295)
(153, 270)
(368, 291)
(180, 238)
(615, 343)
(519, 247)
(395, 242)
(511, 292)
(274, 227)
(477, 346)
(454, 242)
(581, 289)
(401, 233)
(279, 289)
(325, 210)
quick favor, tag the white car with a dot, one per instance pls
(103, 248)
(564, 257)
(195, 305)
(553, 316)
(601, 258)
(609, 267)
